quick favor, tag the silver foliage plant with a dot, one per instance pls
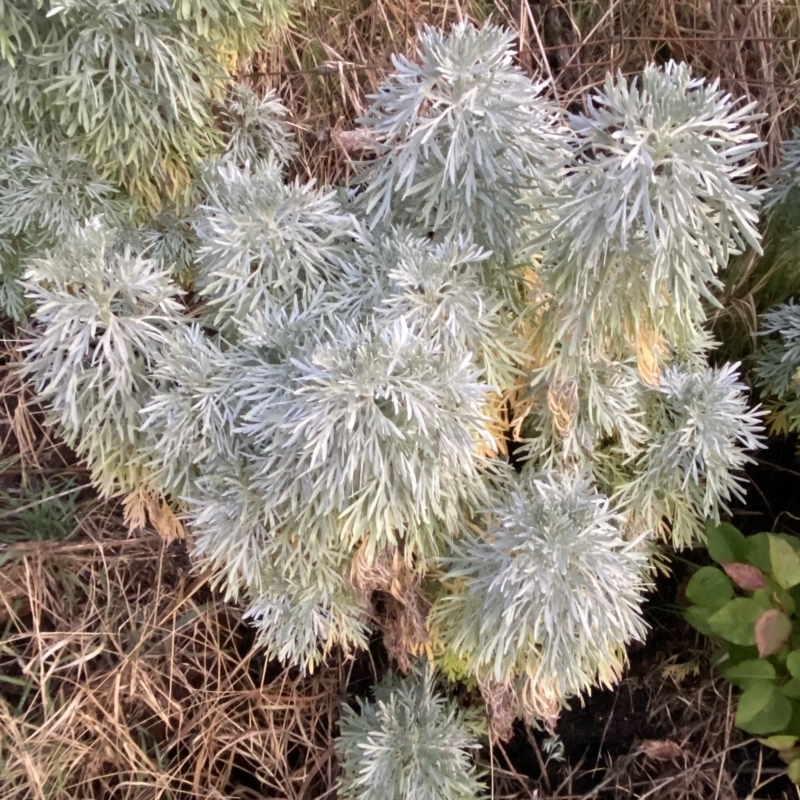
(786, 178)
(652, 207)
(408, 742)
(460, 134)
(102, 319)
(108, 106)
(777, 367)
(777, 358)
(332, 414)
(646, 216)
(549, 594)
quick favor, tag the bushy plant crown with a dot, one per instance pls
(110, 105)
(333, 412)
(408, 742)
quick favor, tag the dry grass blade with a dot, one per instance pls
(122, 676)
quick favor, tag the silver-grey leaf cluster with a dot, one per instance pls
(777, 366)
(409, 742)
(548, 595)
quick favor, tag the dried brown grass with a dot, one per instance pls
(123, 676)
(692, 761)
(698, 753)
(338, 52)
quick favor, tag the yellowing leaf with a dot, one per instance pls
(141, 505)
(649, 349)
(562, 401)
(785, 562)
(134, 509)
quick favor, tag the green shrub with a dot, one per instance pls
(750, 605)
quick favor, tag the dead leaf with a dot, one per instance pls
(649, 350)
(745, 576)
(134, 507)
(353, 142)
(562, 401)
(773, 629)
(679, 672)
(164, 521)
(502, 707)
(141, 505)
(662, 749)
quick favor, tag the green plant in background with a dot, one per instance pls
(332, 413)
(44, 510)
(777, 366)
(776, 361)
(757, 283)
(751, 605)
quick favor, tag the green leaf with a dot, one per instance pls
(743, 674)
(793, 727)
(725, 543)
(779, 742)
(736, 621)
(763, 709)
(794, 771)
(764, 598)
(697, 617)
(709, 587)
(25, 682)
(735, 654)
(793, 663)
(786, 601)
(791, 689)
(773, 629)
(794, 541)
(757, 551)
(785, 562)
